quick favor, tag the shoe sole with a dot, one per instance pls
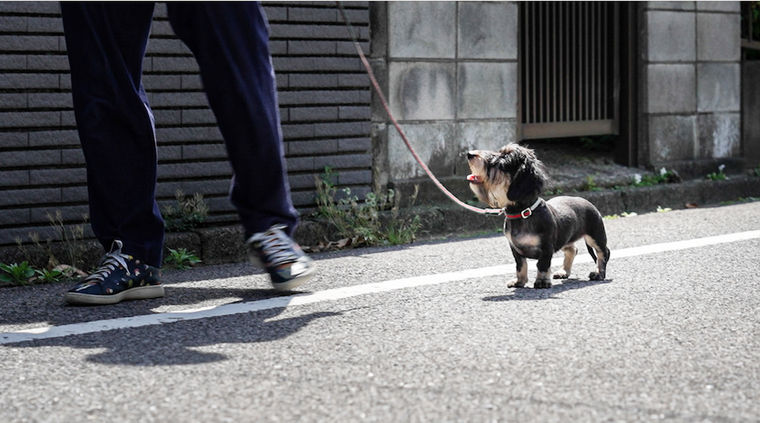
(295, 282)
(138, 293)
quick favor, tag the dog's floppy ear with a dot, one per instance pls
(529, 179)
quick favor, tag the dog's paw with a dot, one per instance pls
(561, 274)
(542, 284)
(596, 276)
(515, 283)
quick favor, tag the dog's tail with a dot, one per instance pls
(591, 251)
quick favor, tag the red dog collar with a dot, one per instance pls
(525, 213)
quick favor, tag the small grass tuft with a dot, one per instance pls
(187, 214)
(48, 276)
(181, 259)
(590, 184)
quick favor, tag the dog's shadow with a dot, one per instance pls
(532, 294)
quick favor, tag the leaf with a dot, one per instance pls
(69, 270)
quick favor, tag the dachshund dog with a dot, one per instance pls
(512, 179)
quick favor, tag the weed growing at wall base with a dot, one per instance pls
(719, 175)
(187, 214)
(68, 252)
(181, 259)
(16, 273)
(360, 222)
(664, 176)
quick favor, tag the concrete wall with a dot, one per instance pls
(324, 104)
(450, 73)
(690, 82)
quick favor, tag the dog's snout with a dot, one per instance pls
(470, 155)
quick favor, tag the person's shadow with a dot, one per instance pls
(160, 344)
(531, 294)
(178, 343)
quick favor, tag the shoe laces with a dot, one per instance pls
(275, 246)
(112, 260)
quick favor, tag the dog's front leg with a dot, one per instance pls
(522, 270)
(543, 279)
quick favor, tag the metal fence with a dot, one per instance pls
(569, 68)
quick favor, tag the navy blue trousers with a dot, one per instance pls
(106, 43)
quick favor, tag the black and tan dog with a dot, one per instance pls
(513, 179)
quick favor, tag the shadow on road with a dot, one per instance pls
(178, 343)
(165, 344)
(45, 303)
(531, 294)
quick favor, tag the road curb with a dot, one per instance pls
(220, 245)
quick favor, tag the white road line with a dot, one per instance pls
(338, 293)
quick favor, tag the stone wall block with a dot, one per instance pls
(435, 143)
(719, 6)
(487, 90)
(670, 5)
(670, 36)
(672, 138)
(718, 37)
(422, 91)
(486, 30)
(422, 29)
(487, 135)
(718, 87)
(719, 135)
(671, 89)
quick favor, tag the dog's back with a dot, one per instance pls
(576, 217)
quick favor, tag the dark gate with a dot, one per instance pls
(570, 69)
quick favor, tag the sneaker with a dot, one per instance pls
(119, 277)
(288, 266)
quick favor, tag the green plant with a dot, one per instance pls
(664, 176)
(70, 244)
(48, 276)
(719, 175)
(663, 209)
(590, 184)
(361, 220)
(621, 215)
(181, 259)
(756, 170)
(71, 238)
(188, 213)
(16, 273)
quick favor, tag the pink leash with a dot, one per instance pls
(380, 95)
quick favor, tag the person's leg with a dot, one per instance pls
(106, 44)
(230, 43)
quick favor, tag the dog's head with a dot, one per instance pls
(501, 178)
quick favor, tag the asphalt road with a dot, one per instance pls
(428, 332)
